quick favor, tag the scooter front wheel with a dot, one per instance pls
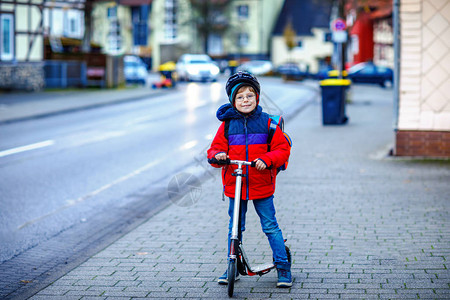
(231, 272)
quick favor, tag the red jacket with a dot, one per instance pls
(247, 140)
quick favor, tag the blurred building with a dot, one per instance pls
(44, 44)
(310, 22)
(361, 44)
(251, 28)
(21, 46)
(383, 36)
(371, 34)
(223, 29)
(27, 30)
(171, 30)
(122, 27)
(423, 127)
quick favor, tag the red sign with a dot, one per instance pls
(338, 25)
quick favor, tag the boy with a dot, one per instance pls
(243, 136)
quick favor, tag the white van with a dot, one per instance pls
(197, 67)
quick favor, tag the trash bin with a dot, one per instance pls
(335, 74)
(333, 100)
(232, 66)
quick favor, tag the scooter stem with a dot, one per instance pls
(237, 202)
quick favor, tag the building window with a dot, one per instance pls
(114, 37)
(139, 16)
(112, 12)
(243, 39)
(215, 45)
(242, 11)
(73, 24)
(170, 20)
(7, 37)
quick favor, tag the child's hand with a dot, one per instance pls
(221, 156)
(259, 164)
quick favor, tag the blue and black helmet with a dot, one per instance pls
(238, 80)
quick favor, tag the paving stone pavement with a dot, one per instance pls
(359, 225)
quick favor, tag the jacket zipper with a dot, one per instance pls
(246, 158)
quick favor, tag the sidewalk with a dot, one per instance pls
(359, 225)
(23, 106)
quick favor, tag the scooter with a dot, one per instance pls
(237, 259)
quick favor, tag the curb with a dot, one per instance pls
(292, 114)
(75, 109)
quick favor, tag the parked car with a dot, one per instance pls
(135, 70)
(323, 72)
(291, 71)
(197, 67)
(368, 72)
(257, 67)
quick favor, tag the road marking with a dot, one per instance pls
(95, 192)
(27, 148)
(83, 139)
(73, 202)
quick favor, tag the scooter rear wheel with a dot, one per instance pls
(288, 253)
(231, 272)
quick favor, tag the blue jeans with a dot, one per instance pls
(266, 212)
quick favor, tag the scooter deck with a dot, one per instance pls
(264, 267)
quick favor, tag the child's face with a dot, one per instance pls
(245, 101)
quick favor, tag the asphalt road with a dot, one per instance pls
(60, 173)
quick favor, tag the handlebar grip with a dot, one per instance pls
(254, 165)
(218, 162)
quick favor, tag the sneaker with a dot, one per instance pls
(224, 278)
(284, 278)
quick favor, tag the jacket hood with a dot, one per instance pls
(227, 112)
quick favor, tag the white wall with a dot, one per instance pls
(425, 65)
